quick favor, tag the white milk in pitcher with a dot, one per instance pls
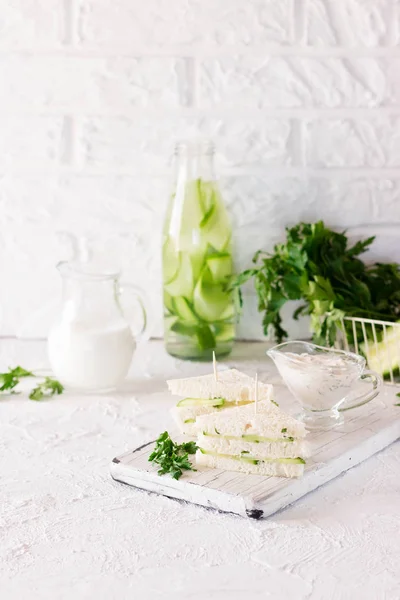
(90, 358)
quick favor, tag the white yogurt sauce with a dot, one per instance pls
(319, 381)
(90, 358)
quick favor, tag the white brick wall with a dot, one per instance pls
(302, 98)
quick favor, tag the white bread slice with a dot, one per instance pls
(269, 421)
(221, 445)
(268, 469)
(189, 413)
(232, 385)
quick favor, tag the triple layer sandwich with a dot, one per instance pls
(267, 442)
(206, 395)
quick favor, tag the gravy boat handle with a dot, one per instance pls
(377, 383)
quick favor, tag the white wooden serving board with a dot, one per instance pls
(367, 430)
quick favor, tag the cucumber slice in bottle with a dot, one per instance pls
(205, 338)
(183, 310)
(220, 266)
(228, 313)
(224, 333)
(184, 329)
(205, 190)
(168, 302)
(216, 228)
(207, 201)
(202, 334)
(207, 216)
(197, 258)
(201, 402)
(190, 217)
(169, 322)
(182, 284)
(171, 260)
(210, 300)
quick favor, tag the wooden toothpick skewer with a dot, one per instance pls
(215, 367)
(255, 394)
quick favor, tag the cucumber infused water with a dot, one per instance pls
(199, 312)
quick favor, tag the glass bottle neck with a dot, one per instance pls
(191, 166)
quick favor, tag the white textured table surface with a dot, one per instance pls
(68, 531)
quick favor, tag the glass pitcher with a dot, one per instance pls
(91, 344)
(199, 312)
(324, 381)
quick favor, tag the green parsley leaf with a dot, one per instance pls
(48, 387)
(189, 447)
(216, 431)
(20, 372)
(273, 402)
(10, 379)
(171, 457)
(284, 430)
(398, 394)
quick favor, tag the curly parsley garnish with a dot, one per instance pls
(171, 457)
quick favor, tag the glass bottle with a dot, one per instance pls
(199, 312)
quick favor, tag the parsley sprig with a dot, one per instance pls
(171, 457)
(10, 379)
(45, 389)
(48, 387)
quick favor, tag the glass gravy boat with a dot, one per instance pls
(324, 381)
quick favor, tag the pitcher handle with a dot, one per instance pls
(143, 335)
(377, 383)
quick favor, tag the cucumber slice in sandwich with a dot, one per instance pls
(217, 402)
(256, 461)
(256, 439)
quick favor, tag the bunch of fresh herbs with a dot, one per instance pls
(318, 266)
(171, 457)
